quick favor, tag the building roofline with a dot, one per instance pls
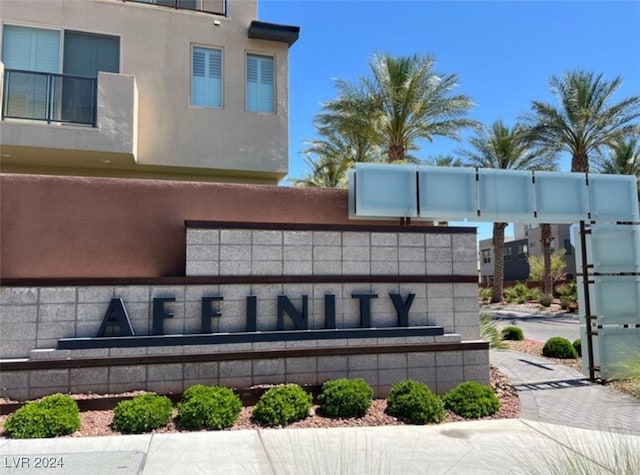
(260, 30)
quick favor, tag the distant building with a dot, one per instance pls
(517, 251)
(516, 266)
(178, 89)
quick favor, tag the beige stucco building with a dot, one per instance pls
(179, 89)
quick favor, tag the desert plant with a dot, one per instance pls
(521, 292)
(512, 333)
(142, 414)
(472, 400)
(209, 407)
(51, 416)
(577, 345)
(485, 295)
(535, 294)
(559, 347)
(282, 405)
(546, 300)
(345, 398)
(510, 295)
(415, 403)
(489, 332)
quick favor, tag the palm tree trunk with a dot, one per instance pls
(395, 153)
(545, 239)
(498, 261)
(580, 163)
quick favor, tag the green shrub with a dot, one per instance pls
(490, 333)
(345, 398)
(512, 333)
(209, 407)
(142, 414)
(282, 405)
(559, 347)
(485, 294)
(535, 294)
(472, 400)
(510, 294)
(415, 403)
(577, 345)
(521, 292)
(51, 416)
(546, 300)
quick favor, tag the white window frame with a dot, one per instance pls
(192, 101)
(274, 101)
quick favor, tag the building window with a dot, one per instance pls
(31, 49)
(260, 84)
(486, 256)
(41, 87)
(206, 77)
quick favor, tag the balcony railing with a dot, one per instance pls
(217, 7)
(49, 97)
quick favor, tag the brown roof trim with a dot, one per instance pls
(26, 365)
(378, 228)
(231, 280)
(262, 30)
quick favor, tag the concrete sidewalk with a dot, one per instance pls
(482, 447)
(566, 423)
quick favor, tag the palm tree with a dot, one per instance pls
(403, 102)
(505, 148)
(325, 172)
(586, 120)
(623, 159)
(444, 161)
(412, 103)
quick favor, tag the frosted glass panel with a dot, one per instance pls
(386, 190)
(447, 192)
(585, 351)
(613, 198)
(615, 249)
(617, 299)
(574, 232)
(561, 197)
(616, 347)
(505, 195)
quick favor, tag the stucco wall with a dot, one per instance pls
(102, 227)
(155, 48)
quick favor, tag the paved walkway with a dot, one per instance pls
(557, 394)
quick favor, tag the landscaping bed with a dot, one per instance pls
(98, 423)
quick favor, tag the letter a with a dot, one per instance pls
(116, 321)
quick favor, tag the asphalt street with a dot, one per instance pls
(537, 325)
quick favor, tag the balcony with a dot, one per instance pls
(48, 97)
(216, 7)
(57, 121)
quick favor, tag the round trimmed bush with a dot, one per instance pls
(209, 407)
(345, 398)
(51, 416)
(577, 345)
(142, 414)
(415, 403)
(559, 347)
(512, 333)
(472, 400)
(282, 405)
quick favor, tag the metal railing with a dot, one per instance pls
(49, 97)
(216, 7)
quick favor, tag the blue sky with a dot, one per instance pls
(503, 52)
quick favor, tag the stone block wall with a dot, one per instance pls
(237, 260)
